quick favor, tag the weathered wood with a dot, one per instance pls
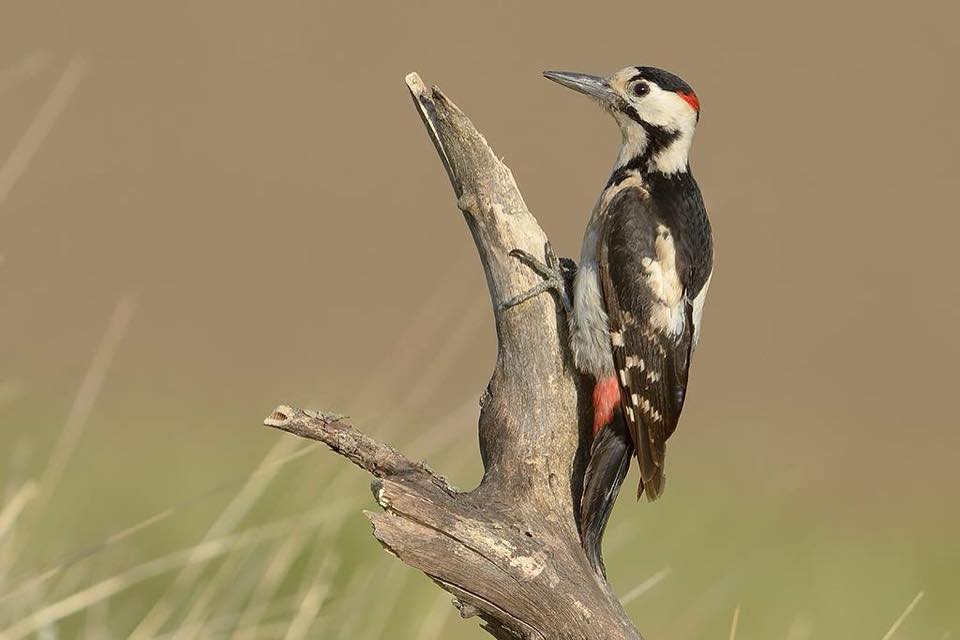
(509, 550)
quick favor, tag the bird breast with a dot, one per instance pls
(589, 329)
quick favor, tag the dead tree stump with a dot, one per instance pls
(509, 550)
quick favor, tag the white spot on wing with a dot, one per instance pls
(664, 281)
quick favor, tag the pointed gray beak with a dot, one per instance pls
(593, 86)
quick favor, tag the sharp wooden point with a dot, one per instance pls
(415, 84)
(280, 416)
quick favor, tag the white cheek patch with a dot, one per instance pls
(674, 157)
(666, 109)
(672, 112)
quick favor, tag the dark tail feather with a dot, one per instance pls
(653, 488)
(608, 466)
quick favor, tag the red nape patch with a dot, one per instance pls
(691, 99)
(606, 397)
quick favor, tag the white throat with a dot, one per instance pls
(632, 144)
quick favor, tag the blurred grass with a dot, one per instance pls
(198, 543)
(115, 524)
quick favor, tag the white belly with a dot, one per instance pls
(589, 329)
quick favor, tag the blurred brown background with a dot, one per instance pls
(248, 181)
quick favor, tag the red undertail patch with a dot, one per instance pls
(691, 99)
(606, 397)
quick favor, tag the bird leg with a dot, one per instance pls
(556, 273)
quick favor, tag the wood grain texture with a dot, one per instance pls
(509, 550)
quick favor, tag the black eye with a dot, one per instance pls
(641, 89)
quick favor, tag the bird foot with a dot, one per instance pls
(555, 273)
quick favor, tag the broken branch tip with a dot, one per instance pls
(280, 416)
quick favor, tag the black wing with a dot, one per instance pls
(651, 326)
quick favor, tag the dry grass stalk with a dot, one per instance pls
(733, 623)
(646, 585)
(203, 552)
(40, 127)
(903, 616)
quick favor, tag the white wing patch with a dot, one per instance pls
(664, 281)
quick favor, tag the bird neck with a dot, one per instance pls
(675, 193)
(646, 149)
(644, 168)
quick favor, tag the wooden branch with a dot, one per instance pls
(509, 550)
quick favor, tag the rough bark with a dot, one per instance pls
(509, 550)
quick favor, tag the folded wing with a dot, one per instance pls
(651, 327)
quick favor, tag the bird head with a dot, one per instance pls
(656, 110)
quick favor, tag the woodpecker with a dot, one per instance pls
(645, 266)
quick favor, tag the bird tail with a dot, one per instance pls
(606, 471)
(654, 484)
